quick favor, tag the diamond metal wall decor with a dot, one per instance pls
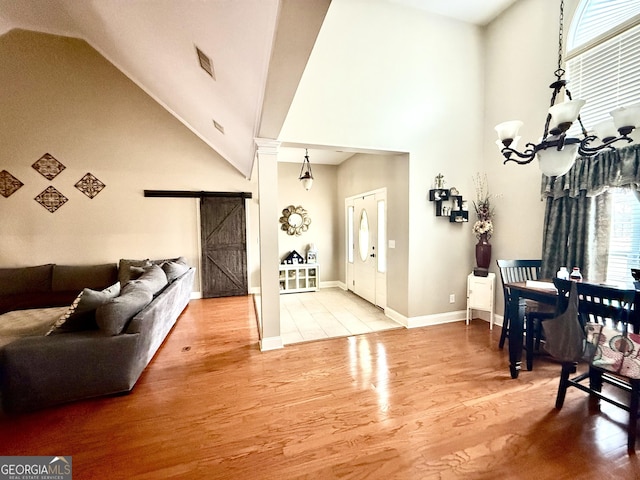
(8, 184)
(51, 199)
(48, 166)
(90, 185)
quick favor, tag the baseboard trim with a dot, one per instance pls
(271, 343)
(426, 320)
(196, 295)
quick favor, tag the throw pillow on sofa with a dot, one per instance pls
(174, 270)
(164, 260)
(153, 278)
(81, 314)
(114, 315)
(124, 269)
(66, 315)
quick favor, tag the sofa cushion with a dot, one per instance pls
(114, 315)
(153, 278)
(124, 269)
(26, 279)
(77, 277)
(174, 270)
(82, 313)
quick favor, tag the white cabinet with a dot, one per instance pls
(480, 295)
(303, 277)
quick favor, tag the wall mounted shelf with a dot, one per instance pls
(448, 205)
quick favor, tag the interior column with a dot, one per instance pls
(267, 157)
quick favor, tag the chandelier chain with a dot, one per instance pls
(560, 72)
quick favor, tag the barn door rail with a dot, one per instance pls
(194, 194)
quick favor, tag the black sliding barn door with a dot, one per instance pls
(224, 246)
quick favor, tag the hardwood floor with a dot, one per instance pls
(434, 402)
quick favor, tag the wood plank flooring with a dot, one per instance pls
(427, 403)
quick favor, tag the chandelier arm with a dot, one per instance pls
(584, 130)
(528, 155)
(519, 162)
(585, 150)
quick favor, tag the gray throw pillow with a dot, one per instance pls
(82, 313)
(177, 260)
(124, 271)
(135, 272)
(153, 278)
(55, 328)
(174, 270)
(113, 316)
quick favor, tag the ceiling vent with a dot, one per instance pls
(205, 63)
(218, 126)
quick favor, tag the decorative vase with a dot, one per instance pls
(483, 252)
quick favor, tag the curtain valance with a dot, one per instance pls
(594, 175)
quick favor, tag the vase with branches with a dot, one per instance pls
(483, 227)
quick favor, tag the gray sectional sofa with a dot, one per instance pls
(105, 338)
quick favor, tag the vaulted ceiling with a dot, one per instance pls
(258, 51)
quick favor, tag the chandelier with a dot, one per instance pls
(306, 177)
(556, 153)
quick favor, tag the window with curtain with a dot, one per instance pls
(593, 212)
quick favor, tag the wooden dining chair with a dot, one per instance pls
(512, 271)
(614, 359)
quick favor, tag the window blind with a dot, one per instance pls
(606, 76)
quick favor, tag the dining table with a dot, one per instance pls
(519, 292)
(542, 291)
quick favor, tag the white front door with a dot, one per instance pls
(365, 230)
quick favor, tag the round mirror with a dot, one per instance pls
(363, 236)
(294, 220)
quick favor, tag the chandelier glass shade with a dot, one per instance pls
(556, 152)
(306, 176)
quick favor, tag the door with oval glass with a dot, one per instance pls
(366, 249)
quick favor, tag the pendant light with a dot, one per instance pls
(306, 177)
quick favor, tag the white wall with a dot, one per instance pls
(60, 96)
(387, 77)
